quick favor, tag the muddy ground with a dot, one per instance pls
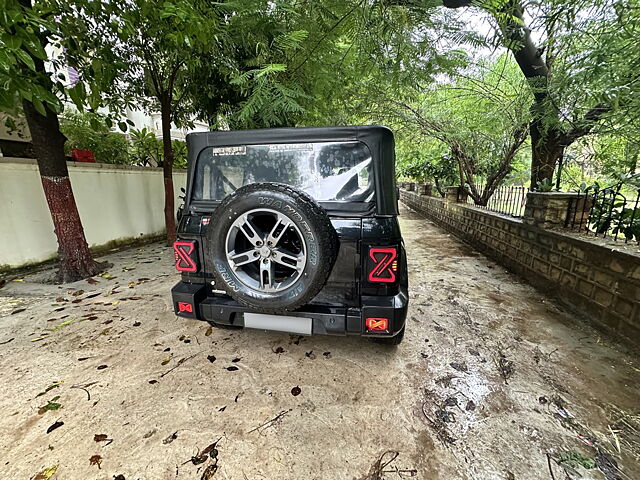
(493, 381)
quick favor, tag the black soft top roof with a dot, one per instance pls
(379, 140)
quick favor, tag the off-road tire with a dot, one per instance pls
(321, 242)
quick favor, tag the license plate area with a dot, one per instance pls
(278, 323)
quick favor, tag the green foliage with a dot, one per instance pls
(575, 459)
(147, 150)
(89, 131)
(544, 185)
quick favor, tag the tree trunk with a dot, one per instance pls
(546, 150)
(167, 170)
(76, 261)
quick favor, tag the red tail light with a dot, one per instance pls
(186, 256)
(377, 324)
(383, 264)
(185, 307)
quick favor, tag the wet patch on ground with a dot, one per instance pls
(493, 381)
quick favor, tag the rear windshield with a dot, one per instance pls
(328, 171)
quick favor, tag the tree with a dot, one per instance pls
(154, 46)
(479, 116)
(572, 93)
(25, 31)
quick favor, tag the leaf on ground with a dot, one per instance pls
(209, 472)
(60, 326)
(117, 302)
(170, 438)
(92, 281)
(96, 460)
(236, 360)
(7, 341)
(461, 367)
(137, 324)
(47, 473)
(232, 368)
(165, 361)
(576, 459)
(61, 299)
(93, 295)
(102, 367)
(18, 311)
(105, 331)
(211, 358)
(50, 387)
(50, 406)
(153, 382)
(37, 339)
(208, 332)
(77, 293)
(100, 437)
(54, 425)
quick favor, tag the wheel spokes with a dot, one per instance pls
(250, 232)
(277, 231)
(266, 274)
(239, 259)
(288, 260)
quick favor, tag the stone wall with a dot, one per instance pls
(601, 284)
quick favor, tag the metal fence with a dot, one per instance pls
(506, 200)
(608, 212)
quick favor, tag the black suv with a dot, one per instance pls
(295, 230)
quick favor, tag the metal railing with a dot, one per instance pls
(607, 212)
(506, 200)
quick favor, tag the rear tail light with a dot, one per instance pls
(185, 307)
(377, 324)
(383, 264)
(186, 256)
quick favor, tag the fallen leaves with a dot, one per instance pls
(49, 388)
(102, 437)
(208, 332)
(170, 438)
(54, 425)
(47, 473)
(96, 460)
(18, 310)
(51, 405)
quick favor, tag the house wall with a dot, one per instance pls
(116, 203)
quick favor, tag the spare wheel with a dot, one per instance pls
(272, 247)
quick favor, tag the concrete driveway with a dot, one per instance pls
(494, 381)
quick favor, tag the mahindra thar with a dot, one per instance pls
(294, 230)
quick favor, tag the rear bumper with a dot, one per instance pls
(191, 300)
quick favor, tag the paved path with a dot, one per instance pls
(491, 378)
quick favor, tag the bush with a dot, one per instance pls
(89, 131)
(147, 150)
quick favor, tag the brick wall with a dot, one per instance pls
(600, 283)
